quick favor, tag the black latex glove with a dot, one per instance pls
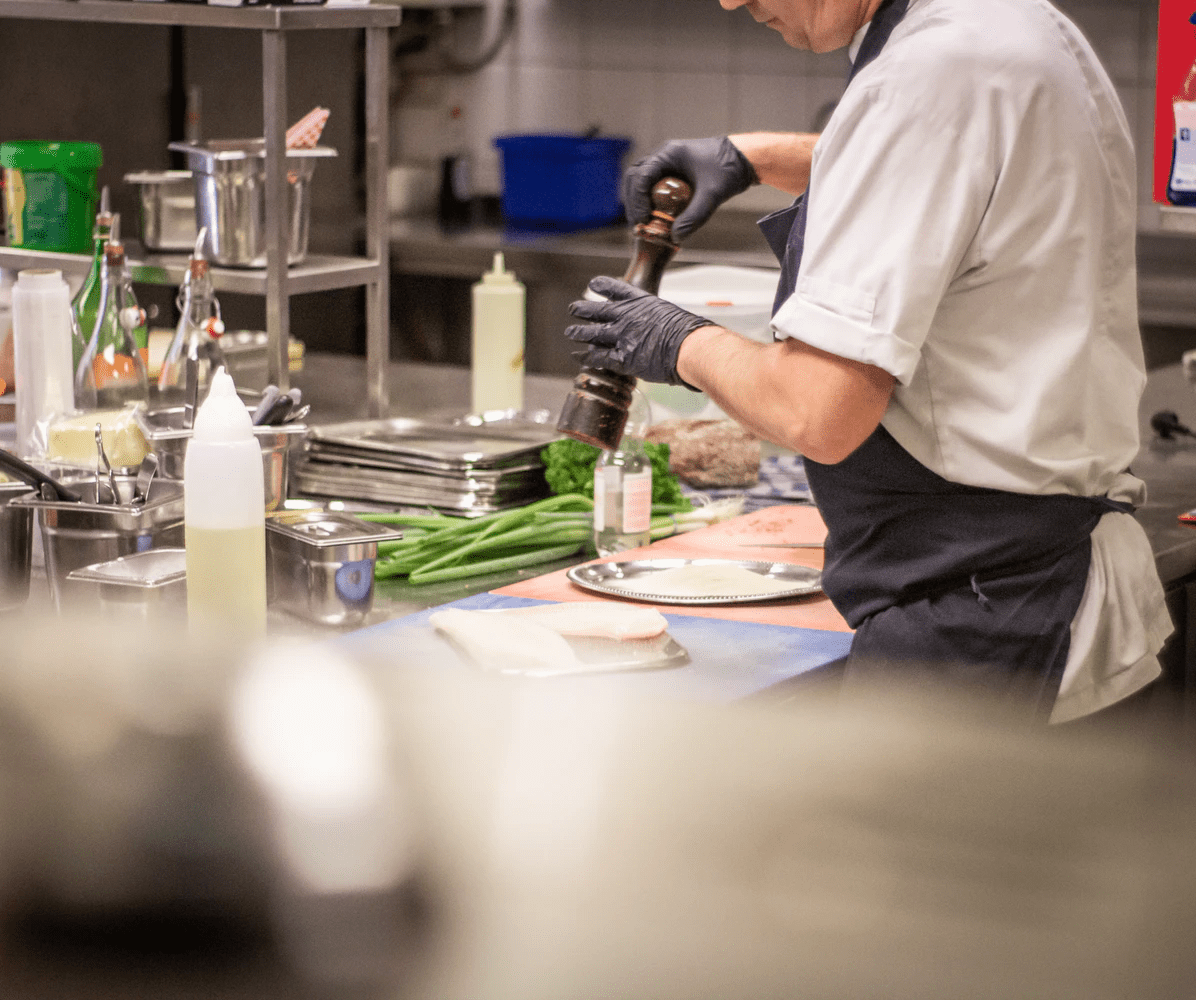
(632, 332)
(714, 168)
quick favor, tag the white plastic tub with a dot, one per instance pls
(739, 298)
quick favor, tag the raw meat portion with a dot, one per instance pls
(507, 644)
(710, 454)
(597, 619)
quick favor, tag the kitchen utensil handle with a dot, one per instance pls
(35, 477)
(192, 389)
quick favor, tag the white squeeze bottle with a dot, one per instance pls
(499, 315)
(41, 332)
(224, 512)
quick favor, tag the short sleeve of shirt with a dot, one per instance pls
(900, 182)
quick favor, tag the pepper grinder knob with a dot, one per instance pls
(670, 197)
(595, 411)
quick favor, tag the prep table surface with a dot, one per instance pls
(333, 385)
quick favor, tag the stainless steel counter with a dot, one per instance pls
(334, 385)
(419, 245)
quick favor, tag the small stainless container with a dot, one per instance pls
(16, 546)
(167, 438)
(320, 564)
(230, 198)
(81, 534)
(146, 586)
(167, 209)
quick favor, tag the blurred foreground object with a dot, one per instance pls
(345, 820)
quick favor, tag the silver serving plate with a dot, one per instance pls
(616, 579)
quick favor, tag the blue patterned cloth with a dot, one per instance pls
(782, 480)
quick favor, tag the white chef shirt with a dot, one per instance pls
(972, 232)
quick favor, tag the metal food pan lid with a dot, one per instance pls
(148, 570)
(241, 149)
(322, 528)
(158, 176)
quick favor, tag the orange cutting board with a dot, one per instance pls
(738, 538)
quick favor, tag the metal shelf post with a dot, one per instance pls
(279, 282)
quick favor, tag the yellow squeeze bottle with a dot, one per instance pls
(499, 318)
(224, 515)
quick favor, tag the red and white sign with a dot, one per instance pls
(1175, 105)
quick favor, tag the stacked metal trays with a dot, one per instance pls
(466, 466)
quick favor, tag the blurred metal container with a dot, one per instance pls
(246, 356)
(82, 534)
(147, 585)
(16, 546)
(167, 438)
(167, 209)
(320, 564)
(230, 198)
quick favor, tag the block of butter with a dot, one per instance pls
(72, 440)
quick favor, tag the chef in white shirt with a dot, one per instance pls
(956, 353)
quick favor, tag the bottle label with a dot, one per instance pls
(600, 518)
(1183, 169)
(637, 501)
(14, 197)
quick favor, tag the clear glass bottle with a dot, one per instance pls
(86, 302)
(623, 487)
(112, 356)
(197, 332)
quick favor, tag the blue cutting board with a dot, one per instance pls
(728, 659)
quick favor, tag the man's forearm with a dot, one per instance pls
(780, 159)
(817, 404)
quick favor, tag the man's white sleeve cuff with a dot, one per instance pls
(848, 336)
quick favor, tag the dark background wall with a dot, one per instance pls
(122, 86)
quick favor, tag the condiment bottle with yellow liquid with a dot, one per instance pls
(224, 514)
(499, 326)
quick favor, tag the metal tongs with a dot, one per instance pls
(192, 390)
(102, 464)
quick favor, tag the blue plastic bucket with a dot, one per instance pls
(561, 182)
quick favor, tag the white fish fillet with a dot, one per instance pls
(513, 645)
(596, 619)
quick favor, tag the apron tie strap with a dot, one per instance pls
(983, 601)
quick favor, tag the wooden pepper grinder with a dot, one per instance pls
(595, 411)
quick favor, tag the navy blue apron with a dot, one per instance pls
(977, 585)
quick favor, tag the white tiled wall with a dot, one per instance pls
(658, 69)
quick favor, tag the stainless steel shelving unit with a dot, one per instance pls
(277, 282)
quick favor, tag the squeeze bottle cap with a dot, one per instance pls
(499, 275)
(222, 417)
(39, 277)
